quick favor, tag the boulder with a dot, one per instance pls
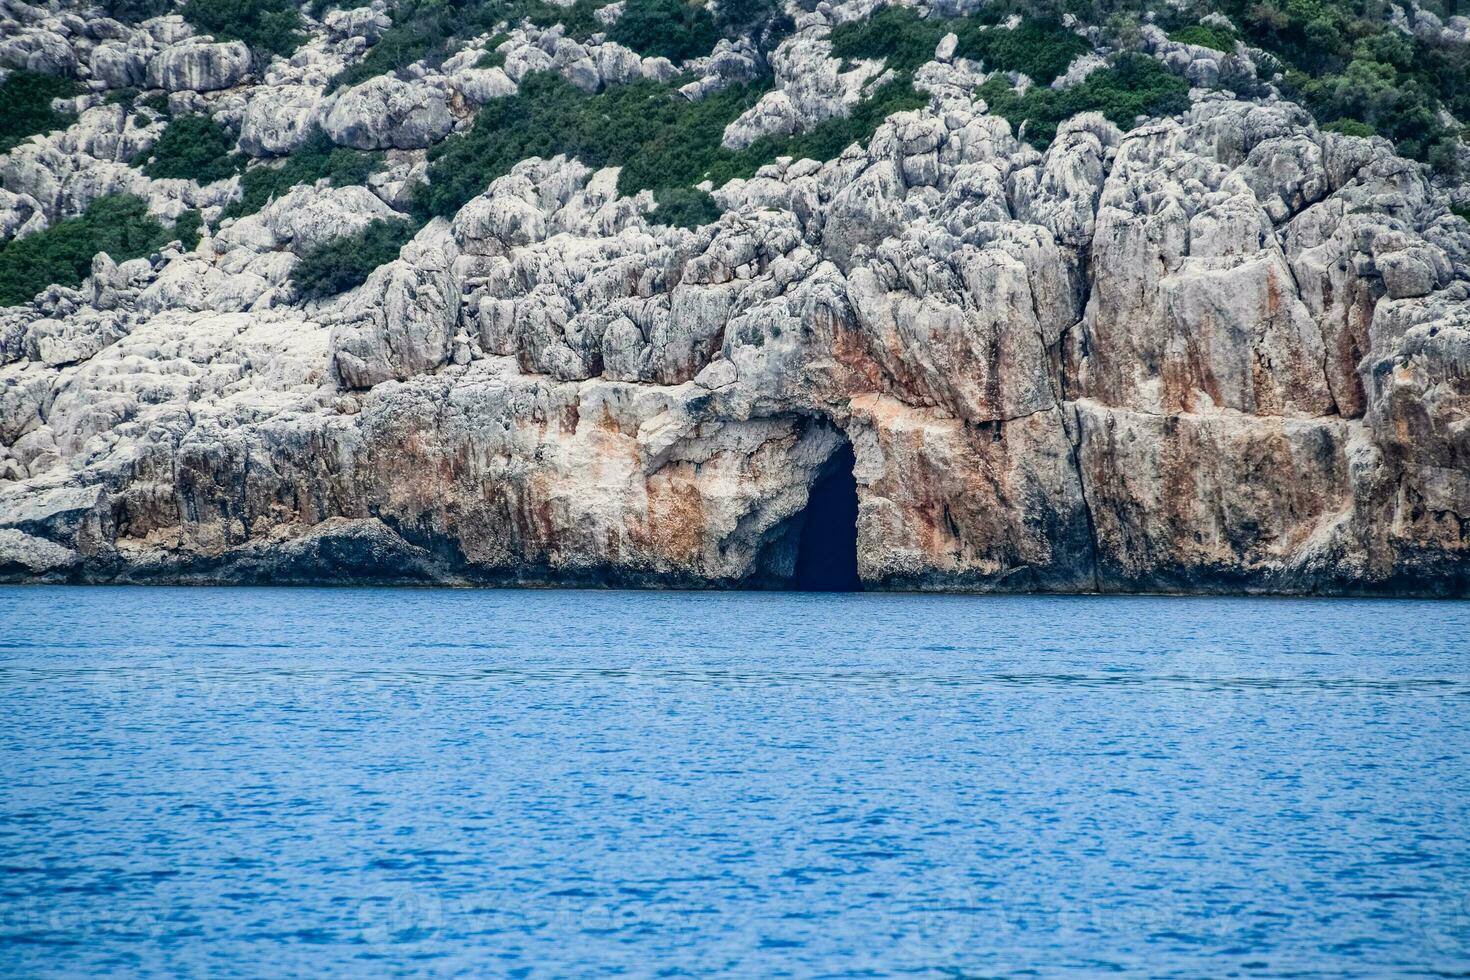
(199, 67)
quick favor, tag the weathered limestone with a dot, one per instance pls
(1219, 352)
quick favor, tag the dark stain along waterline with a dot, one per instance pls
(826, 557)
(330, 782)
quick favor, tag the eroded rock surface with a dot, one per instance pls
(1221, 352)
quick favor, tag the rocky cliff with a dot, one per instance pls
(1220, 351)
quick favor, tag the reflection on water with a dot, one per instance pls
(328, 781)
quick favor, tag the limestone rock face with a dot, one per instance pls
(278, 119)
(1221, 352)
(385, 112)
(198, 67)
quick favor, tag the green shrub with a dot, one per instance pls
(425, 30)
(186, 228)
(62, 254)
(1206, 36)
(1343, 60)
(1041, 49)
(26, 96)
(1350, 127)
(661, 140)
(343, 263)
(134, 11)
(685, 207)
(191, 147)
(316, 159)
(898, 35)
(673, 29)
(1461, 211)
(121, 96)
(158, 102)
(764, 21)
(265, 25)
(1135, 85)
(493, 58)
(827, 139)
(580, 19)
(421, 30)
(1378, 95)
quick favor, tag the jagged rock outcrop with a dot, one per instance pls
(199, 67)
(1225, 351)
(385, 112)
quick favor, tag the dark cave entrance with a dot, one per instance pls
(826, 551)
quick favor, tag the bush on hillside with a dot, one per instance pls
(62, 254)
(1134, 85)
(191, 148)
(1344, 60)
(898, 35)
(1041, 49)
(158, 102)
(684, 207)
(1206, 36)
(1350, 127)
(660, 138)
(265, 25)
(344, 263)
(764, 21)
(1376, 94)
(316, 159)
(673, 29)
(26, 96)
(493, 58)
(827, 139)
(134, 11)
(425, 30)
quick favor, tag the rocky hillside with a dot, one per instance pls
(1104, 299)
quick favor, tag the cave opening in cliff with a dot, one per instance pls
(826, 551)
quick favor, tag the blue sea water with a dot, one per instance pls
(316, 782)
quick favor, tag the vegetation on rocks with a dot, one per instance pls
(685, 207)
(1040, 49)
(191, 148)
(316, 159)
(673, 29)
(425, 30)
(1350, 127)
(266, 25)
(659, 137)
(827, 139)
(62, 254)
(133, 11)
(764, 21)
(1206, 36)
(344, 263)
(1344, 60)
(661, 140)
(898, 35)
(493, 58)
(905, 40)
(1133, 86)
(26, 96)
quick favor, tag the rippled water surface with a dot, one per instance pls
(314, 781)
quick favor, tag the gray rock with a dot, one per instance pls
(1218, 352)
(278, 119)
(386, 112)
(199, 67)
